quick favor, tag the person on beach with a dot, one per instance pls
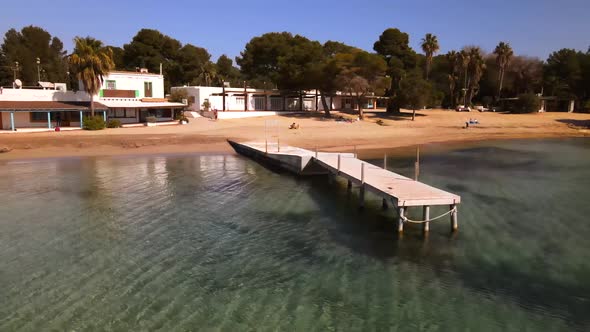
(58, 120)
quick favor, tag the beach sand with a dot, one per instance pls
(203, 135)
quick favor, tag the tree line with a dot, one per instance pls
(294, 64)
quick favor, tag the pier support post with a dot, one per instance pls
(454, 222)
(400, 220)
(349, 185)
(12, 127)
(384, 204)
(385, 162)
(362, 188)
(339, 163)
(426, 216)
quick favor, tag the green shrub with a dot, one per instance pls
(527, 103)
(151, 119)
(114, 123)
(93, 123)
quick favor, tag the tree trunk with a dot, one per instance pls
(428, 61)
(413, 114)
(501, 83)
(361, 113)
(91, 105)
(325, 105)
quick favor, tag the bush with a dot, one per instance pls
(114, 123)
(487, 101)
(184, 118)
(527, 103)
(151, 119)
(93, 123)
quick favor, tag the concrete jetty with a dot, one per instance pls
(393, 188)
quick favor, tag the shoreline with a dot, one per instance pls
(223, 148)
(204, 136)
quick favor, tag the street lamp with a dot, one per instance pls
(38, 70)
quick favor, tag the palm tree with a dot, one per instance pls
(91, 61)
(430, 47)
(464, 60)
(455, 68)
(476, 68)
(208, 74)
(503, 54)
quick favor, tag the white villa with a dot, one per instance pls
(127, 96)
(264, 102)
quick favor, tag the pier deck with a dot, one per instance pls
(401, 191)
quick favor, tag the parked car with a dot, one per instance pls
(462, 108)
(484, 109)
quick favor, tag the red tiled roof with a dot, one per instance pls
(48, 105)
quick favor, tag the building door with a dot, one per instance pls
(1, 126)
(259, 103)
(66, 118)
(147, 89)
(143, 114)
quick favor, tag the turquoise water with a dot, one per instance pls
(213, 242)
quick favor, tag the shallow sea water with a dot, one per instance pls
(219, 242)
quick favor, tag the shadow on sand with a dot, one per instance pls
(578, 124)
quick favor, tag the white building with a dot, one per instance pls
(133, 96)
(127, 96)
(225, 99)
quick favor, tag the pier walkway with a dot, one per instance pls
(393, 188)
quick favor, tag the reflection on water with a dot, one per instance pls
(197, 242)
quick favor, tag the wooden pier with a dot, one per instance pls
(398, 190)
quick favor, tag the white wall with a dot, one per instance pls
(249, 114)
(42, 95)
(200, 93)
(134, 81)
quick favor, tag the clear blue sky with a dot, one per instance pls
(533, 27)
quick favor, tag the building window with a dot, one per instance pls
(259, 103)
(147, 89)
(164, 113)
(276, 103)
(120, 113)
(38, 116)
(111, 85)
(240, 100)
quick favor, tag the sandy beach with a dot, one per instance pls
(207, 136)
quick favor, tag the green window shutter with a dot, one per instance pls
(101, 93)
(136, 93)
